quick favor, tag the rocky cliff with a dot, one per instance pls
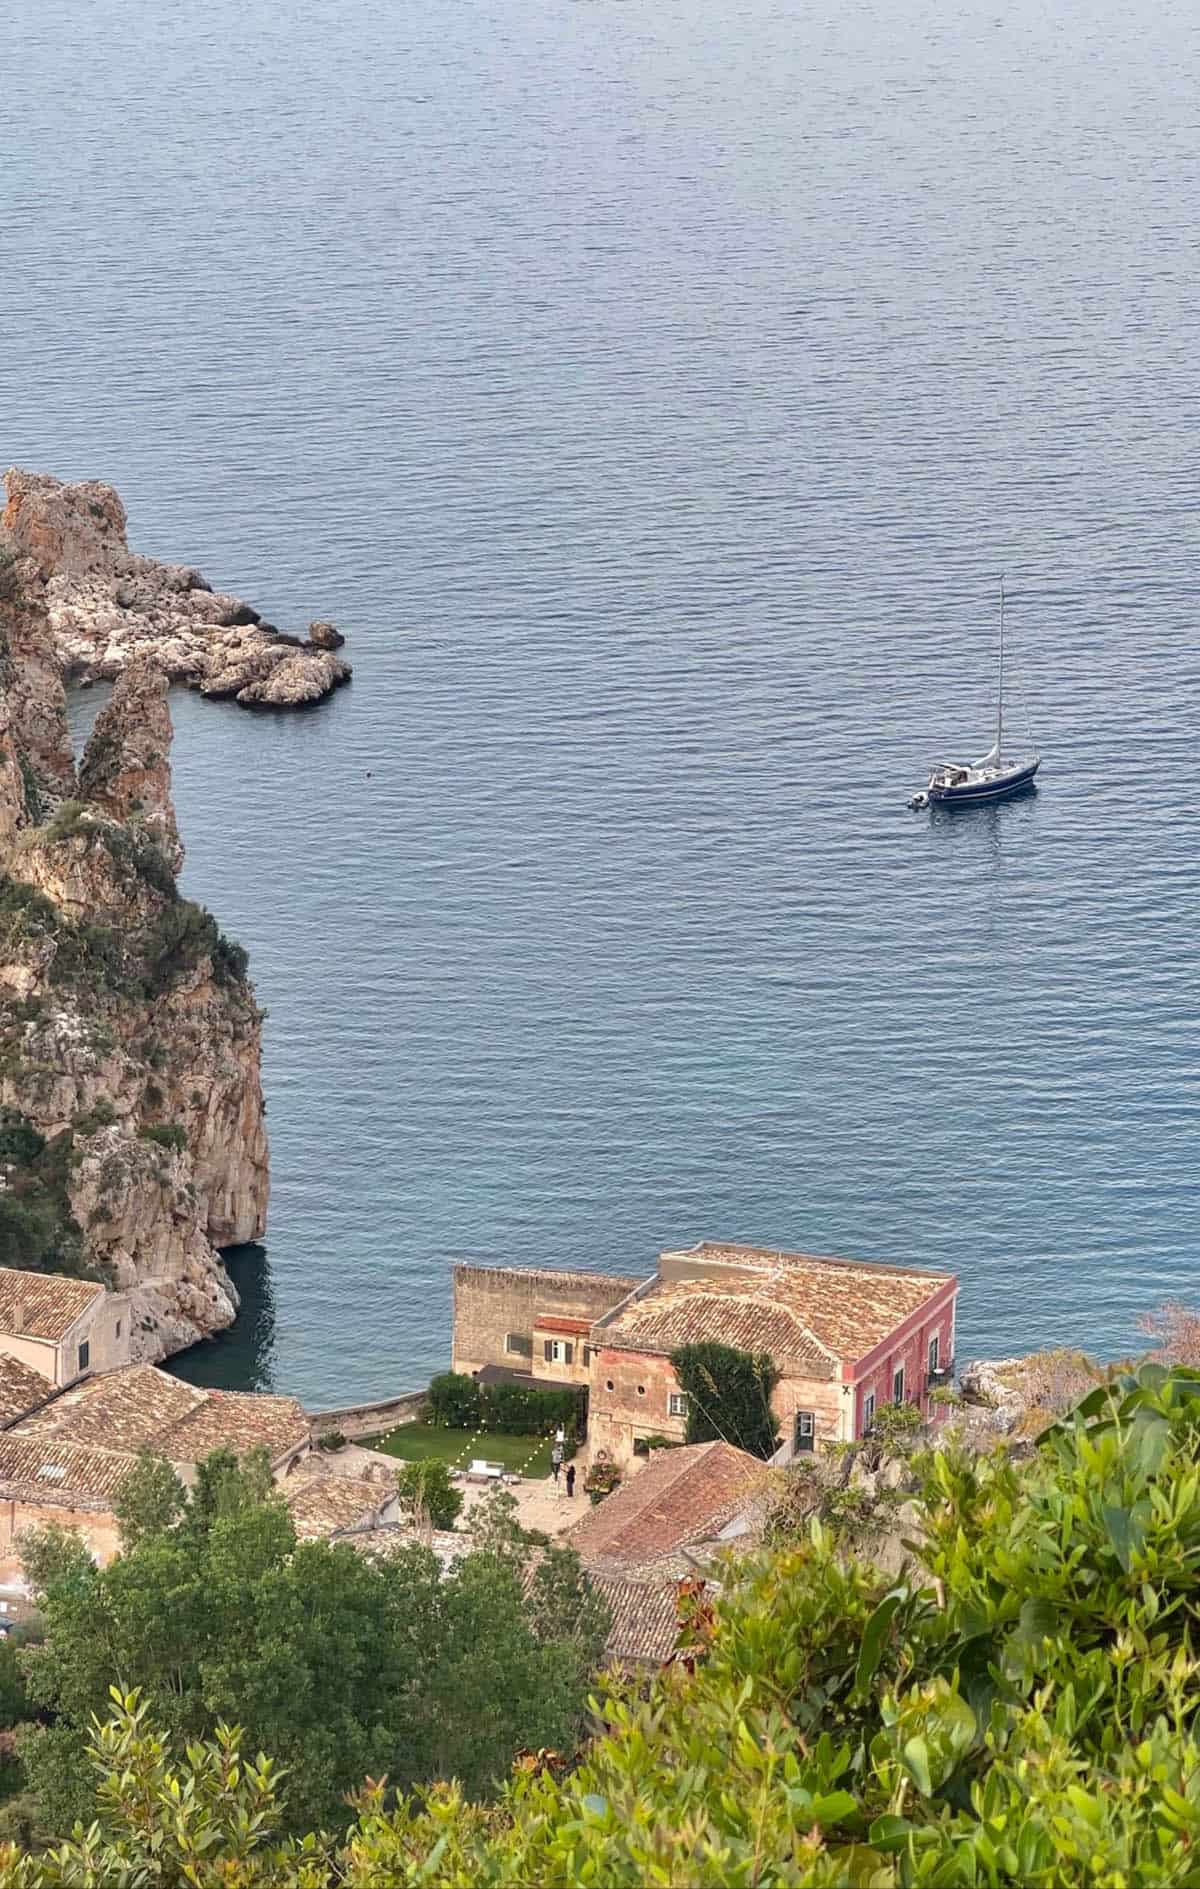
(132, 1134)
(104, 605)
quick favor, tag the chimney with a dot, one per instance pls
(17, 1322)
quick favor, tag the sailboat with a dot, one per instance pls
(995, 775)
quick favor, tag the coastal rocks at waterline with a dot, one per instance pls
(66, 548)
(134, 1140)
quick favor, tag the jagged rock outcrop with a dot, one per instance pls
(125, 771)
(130, 1040)
(65, 547)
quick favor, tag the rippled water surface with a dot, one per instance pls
(654, 395)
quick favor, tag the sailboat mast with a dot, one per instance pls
(1000, 687)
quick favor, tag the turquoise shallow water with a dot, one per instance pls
(655, 400)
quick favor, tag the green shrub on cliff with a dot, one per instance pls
(1022, 1714)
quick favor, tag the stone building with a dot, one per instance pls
(529, 1322)
(61, 1328)
(846, 1336)
(64, 1456)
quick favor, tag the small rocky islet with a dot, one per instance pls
(133, 1143)
(67, 550)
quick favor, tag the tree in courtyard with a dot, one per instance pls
(428, 1496)
(729, 1396)
(150, 1500)
(1020, 1715)
(342, 1665)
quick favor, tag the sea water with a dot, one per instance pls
(654, 395)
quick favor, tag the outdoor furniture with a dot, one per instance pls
(481, 1471)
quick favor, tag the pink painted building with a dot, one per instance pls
(846, 1337)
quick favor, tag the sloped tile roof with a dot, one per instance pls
(321, 1505)
(22, 1389)
(681, 1497)
(133, 1408)
(801, 1309)
(645, 1618)
(140, 1407)
(47, 1469)
(42, 1304)
(237, 1421)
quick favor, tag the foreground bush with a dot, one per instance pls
(1022, 1714)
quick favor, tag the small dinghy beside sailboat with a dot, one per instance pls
(995, 775)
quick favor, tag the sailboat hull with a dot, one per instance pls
(970, 793)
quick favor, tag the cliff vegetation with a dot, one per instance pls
(132, 1138)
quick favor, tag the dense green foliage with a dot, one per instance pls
(37, 1230)
(428, 1495)
(342, 1665)
(165, 1135)
(522, 1410)
(729, 1396)
(1022, 1711)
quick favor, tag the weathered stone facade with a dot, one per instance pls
(837, 1331)
(497, 1311)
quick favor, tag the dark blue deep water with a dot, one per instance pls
(654, 395)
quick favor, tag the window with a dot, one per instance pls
(898, 1386)
(677, 1404)
(933, 1354)
(608, 1384)
(806, 1430)
(558, 1351)
(868, 1411)
(587, 1356)
(641, 1390)
(518, 1344)
(85, 1353)
(118, 1328)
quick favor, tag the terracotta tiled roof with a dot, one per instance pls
(237, 1421)
(395, 1537)
(140, 1407)
(799, 1308)
(133, 1408)
(22, 1389)
(645, 1619)
(579, 1327)
(321, 1505)
(682, 1497)
(42, 1304)
(44, 1468)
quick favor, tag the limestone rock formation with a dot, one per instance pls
(130, 1041)
(125, 771)
(64, 546)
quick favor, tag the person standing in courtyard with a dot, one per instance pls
(570, 1479)
(556, 1460)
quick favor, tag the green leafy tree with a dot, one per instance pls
(1020, 1716)
(150, 1500)
(427, 1493)
(342, 1665)
(729, 1396)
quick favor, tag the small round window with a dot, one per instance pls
(608, 1384)
(641, 1390)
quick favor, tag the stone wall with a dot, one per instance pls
(97, 1526)
(490, 1302)
(355, 1420)
(630, 1399)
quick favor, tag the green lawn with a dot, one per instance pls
(422, 1442)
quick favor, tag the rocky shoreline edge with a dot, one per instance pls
(68, 553)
